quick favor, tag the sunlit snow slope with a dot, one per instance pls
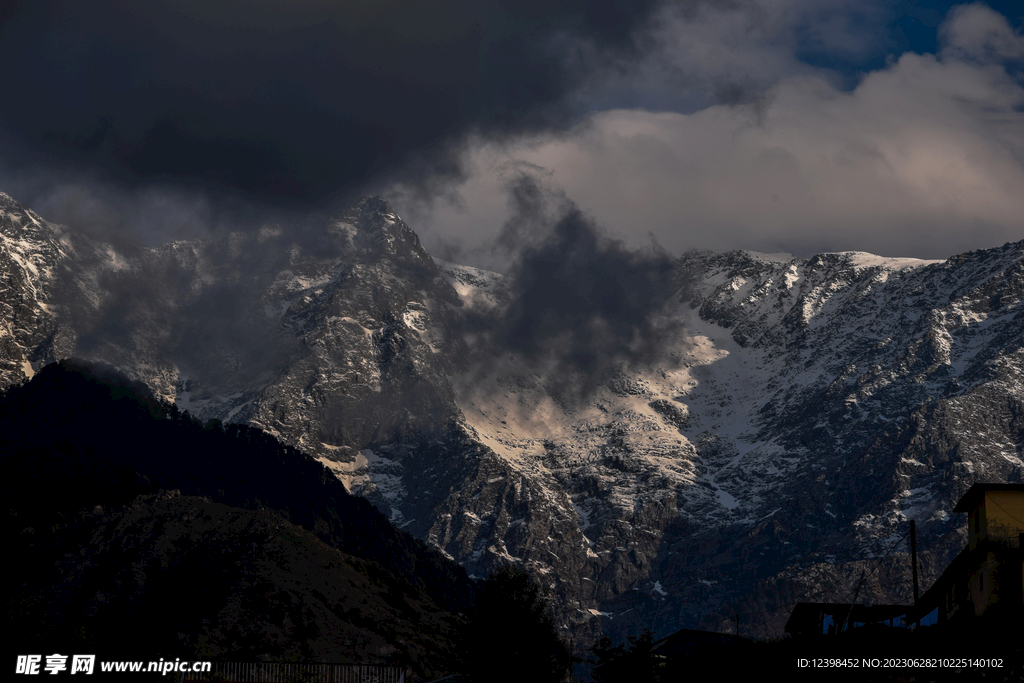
(802, 412)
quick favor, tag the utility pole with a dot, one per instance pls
(840, 628)
(572, 659)
(913, 561)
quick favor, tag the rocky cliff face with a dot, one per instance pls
(803, 411)
(30, 252)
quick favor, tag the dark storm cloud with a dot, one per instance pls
(289, 101)
(579, 303)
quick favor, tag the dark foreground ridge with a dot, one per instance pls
(139, 530)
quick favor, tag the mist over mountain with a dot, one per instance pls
(675, 441)
(576, 302)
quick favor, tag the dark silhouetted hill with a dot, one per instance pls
(86, 459)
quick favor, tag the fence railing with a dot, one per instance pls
(284, 672)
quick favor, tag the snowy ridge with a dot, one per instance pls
(803, 412)
(788, 370)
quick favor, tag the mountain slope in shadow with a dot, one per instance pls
(139, 530)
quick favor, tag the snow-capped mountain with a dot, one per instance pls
(800, 413)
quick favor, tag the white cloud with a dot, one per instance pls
(978, 33)
(923, 158)
(698, 54)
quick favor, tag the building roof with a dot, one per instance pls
(973, 497)
(807, 615)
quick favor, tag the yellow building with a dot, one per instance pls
(986, 580)
(988, 575)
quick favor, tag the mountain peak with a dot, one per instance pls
(862, 259)
(7, 202)
(373, 205)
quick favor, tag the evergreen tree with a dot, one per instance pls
(626, 663)
(512, 636)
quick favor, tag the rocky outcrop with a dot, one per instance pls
(800, 414)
